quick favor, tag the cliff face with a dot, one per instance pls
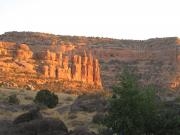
(22, 66)
(79, 68)
(53, 61)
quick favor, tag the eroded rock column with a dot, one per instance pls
(90, 69)
(96, 75)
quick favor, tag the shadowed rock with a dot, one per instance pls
(31, 115)
(46, 126)
(89, 103)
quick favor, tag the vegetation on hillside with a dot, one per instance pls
(37, 38)
(136, 110)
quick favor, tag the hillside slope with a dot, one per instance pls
(154, 61)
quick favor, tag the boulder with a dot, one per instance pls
(46, 126)
(29, 116)
(89, 103)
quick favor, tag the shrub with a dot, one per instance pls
(130, 108)
(13, 99)
(177, 99)
(104, 131)
(134, 110)
(46, 98)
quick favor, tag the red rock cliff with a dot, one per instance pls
(20, 64)
(79, 68)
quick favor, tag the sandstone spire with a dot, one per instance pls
(96, 75)
(45, 71)
(84, 68)
(90, 69)
(65, 62)
(52, 71)
(49, 66)
(59, 58)
(76, 68)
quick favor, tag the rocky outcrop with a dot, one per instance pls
(45, 126)
(84, 67)
(78, 68)
(96, 73)
(6, 48)
(155, 61)
(88, 103)
(3, 51)
(45, 71)
(29, 116)
(20, 64)
(23, 52)
(42, 126)
(66, 48)
(90, 69)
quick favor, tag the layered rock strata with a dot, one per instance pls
(78, 68)
(19, 62)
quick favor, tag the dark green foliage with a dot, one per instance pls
(46, 98)
(13, 99)
(104, 131)
(129, 107)
(167, 123)
(134, 110)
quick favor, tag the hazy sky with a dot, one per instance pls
(127, 19)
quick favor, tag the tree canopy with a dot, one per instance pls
(134, 110)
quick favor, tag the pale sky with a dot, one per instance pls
(123, 19)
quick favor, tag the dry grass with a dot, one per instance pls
(61, 111)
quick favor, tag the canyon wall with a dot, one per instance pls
(154, 61)
(20, 64)
(55, 60)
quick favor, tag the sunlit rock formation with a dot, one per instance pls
(18, 63)
(78, 68)
(58, 60)
(23, 52)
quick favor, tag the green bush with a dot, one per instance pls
(134, 110)
(104, 131)
(13, 99)
(130, 107)
(46, 98)
(177, 99)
